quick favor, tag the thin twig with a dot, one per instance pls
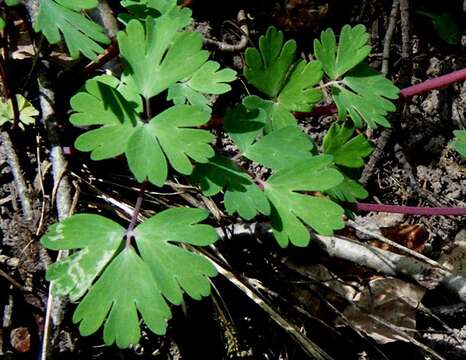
(388, 36)
(241, 44)
(15, 168)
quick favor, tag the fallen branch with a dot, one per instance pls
(382, 261)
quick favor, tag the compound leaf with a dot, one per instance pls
(130, 284)
(97, 239)
(364, 94)
(281, 148)
(207, 80)
(459, 143)
(27, 111)
(241, 194)
(158, 54)
(125, 288)
(80, 34)
(346, 151)
(352, 49)
(174, 131)
(108, 102)
(298, 93)
(268, 67)
(291, 207)
(175, 269)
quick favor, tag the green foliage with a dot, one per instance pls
(291, 207)
(27, 111)
(352, 49)
(346, 150)
(129, 283)
(242, 195)
(80, 34)
(272, 70)
(348, 190)
(2, 24)
(168, 136)
(459, 143)
(363, 93)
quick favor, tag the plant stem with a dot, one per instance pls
(412, 210)
(134, 217)
(148, 109)
(432, 84)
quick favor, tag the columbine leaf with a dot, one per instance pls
(241, 194)
(244, 125)
(125, 289)
(352, 49)
(207, 80)
(80, 34)
(27, 111)
(272, 70)
(175, 269)
(130, 284)
(182, 94)
(298, 93)
(277, 115)
(105, 101)
(2, 24)
(346, 151)
(97, 239)
(268, 67)
(459, 143)
(281, 148)
(348, 190)
(291, 208)
(364, 94)
(158, 54)
(445, 25)
(171, 132)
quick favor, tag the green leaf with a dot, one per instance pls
(129, 284)
(291, 207)
(207, 80)
(281, 148)
(97, 239)
(298, 93)
(109, 102)
(27, 111)
(80, 34)
(178, 140)
(277, 115)
(175, 269)
(365, 95)
(116, 105)
(348, 190)
(2, 24)
(244, 125)
(12, 2)
(346, 151)
(158, 54)
(267, 68)
(445, 25)
(241, 194)
(182, 94)
(459, 143)
(125, 289)
(352, 49)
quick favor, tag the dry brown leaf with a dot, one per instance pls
(392, 301)
(20, 339)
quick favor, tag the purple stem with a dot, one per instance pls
(134, 218)
(432, 84)
(412, 210)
